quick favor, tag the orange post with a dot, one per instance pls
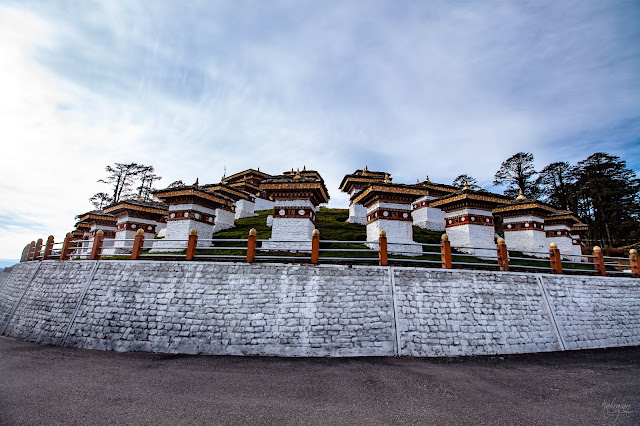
(251, 245)
(382, 249)
(96, 250)
(67, 245)
(599, 261)
(633, 260)
(503, 255)
(138, 242)
(315, 246)
(192, 244)
(32, 250)
(445, 252)
(47, 248)
(556, 260)
(38, 249)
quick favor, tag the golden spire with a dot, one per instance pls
(521, 196)
(197, 182)
(466, 186)
(427, 180)
(297, 176)
(386, 178)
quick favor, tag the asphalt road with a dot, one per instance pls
(51, 385)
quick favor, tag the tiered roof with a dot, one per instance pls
(248, 180)
(390, 192)
(99, 217)
(144, 209)
(471, 199)
(360, 179)
(194, 194)
(307, 184)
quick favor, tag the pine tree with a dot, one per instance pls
(517, 173)
(556, 183)
(463, 180)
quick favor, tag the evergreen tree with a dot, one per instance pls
(120, 178)
(100, 200)
(608, 197)
(517, 174)
(463, 180)
(147, 177)
(556, 183)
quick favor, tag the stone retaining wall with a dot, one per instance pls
(307, 310)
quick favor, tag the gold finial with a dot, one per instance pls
(69, 235)
(100, 233)
(521, 196)
(304, 168)
(383, 233)
(553, 246)
(386, 178)
(140, 231)
(466, 186)
(253, 232)
(500, 240)
(197, 182)
(315, 233)
(444, 237)
(194, 231)
(139, 198)
(428, 180)
(417, 181)
(633, 252)
(366, 168)
(597, 249)
(297, 176)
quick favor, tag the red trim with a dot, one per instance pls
(523, 226)
(207, 218)
(468, 219)
(382, 213)
(134, 226)
(558, 233)
(294, 213)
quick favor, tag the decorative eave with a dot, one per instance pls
(315, 190)
(97, 216)
(387, 191)
(246, 187)
(228, 191)
(438, 189)
(527, 207)
(469, 198)
(170, 195)
(82, 225)
(249, 172)
(362, 178)
(128, 206)
(562, 218)
(579, 228)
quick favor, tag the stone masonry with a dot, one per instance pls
(308, 310)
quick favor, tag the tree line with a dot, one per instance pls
(601, 190)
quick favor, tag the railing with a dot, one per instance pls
(317, 251)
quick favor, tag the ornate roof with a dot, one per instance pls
(522, 206)
(393, 192)
(362, 178)
(562, 217)
(180, 194)
(96, 216)
(246, 175)
(149, 207)
(470, 198)
(299, 184)
(229, 190)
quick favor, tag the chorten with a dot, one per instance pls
(523, 225)
(558, 230)
(190, 207)
(468, 220)
(98, 220)
(296, 197)
(424, 215)
(248, 181)
(356, 182)
(133, 215)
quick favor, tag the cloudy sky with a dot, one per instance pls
(434, 88)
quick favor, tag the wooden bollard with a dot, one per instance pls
(32, 250)
(38, 249)
(382, 249)
(445, 252)
(67, 245)
(633, 260)
(96, 250)
(48, 247)
(192, 244)
(599, 261)
(556, 260)
(251, 245)
(503, 255)
(138, 242)
(315, 246)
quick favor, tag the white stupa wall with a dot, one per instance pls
(149, 227)
(357, 212)
(180, 229)
(430, 218)
(562, 237)
(472, 235)
(262, 204)
(398, 231)
(532, 238)
(291, 228)
(107, 243)
(245, 208)
(224, 220)
(577, 248)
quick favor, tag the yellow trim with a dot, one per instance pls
(193, 192)
(127, 206)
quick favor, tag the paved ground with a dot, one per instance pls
(52, 385)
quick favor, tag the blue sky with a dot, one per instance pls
(434, 88)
